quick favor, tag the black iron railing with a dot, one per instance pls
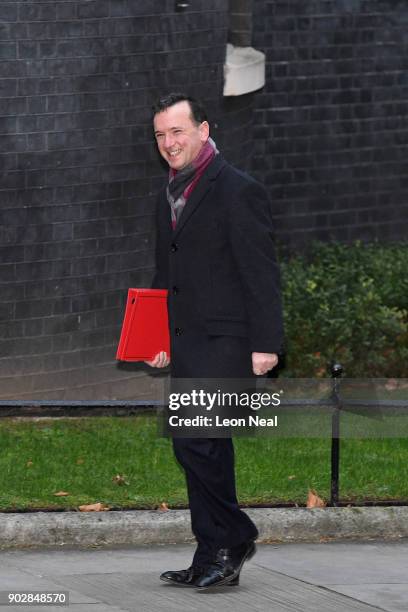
(53, 408)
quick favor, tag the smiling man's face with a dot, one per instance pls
(179, 138)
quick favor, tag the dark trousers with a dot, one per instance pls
(216, 519)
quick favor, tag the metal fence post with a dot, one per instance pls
(336, 372)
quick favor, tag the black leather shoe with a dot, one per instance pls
(185, 578)
(188, 577)
(226, 567)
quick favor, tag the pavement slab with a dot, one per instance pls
(302, 577)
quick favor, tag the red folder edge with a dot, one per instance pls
(137, 317)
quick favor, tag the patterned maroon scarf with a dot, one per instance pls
(182, 182)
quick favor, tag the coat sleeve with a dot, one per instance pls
(251, 239)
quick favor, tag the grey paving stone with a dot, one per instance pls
(261, 590)
(106, 560)
(15, 579)
(339, 563)
(391, 597)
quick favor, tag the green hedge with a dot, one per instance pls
(347, 303)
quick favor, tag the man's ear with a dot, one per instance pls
(204, 131)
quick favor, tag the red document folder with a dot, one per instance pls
(145, 329)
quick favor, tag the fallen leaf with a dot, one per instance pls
(391, 384)
(120, 479)
(314, 501)
(79, 461)
(61, 494)
(29, 463)
(291, 477)
(163, 507)
(93, 507)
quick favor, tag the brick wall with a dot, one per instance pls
(331, 129)
(328, 135)
(80, 171)
(240, 22)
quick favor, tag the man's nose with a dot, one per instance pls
(168, 140)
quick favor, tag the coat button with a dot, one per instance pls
(178, 331)
(175, 290)
(173, 247)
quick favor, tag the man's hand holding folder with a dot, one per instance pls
(145, 330)
(160, 361)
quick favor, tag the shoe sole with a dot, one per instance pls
(226, 581)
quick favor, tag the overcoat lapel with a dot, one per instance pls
(200, 191)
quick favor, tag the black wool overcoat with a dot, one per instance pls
(220, 269)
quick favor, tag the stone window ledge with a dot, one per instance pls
(244, 70)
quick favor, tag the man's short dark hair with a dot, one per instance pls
(198, 114)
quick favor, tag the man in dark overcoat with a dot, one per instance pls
(215, 256)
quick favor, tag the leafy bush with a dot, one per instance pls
(347, 303)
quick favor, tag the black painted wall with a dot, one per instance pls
(331, 123)
(80, 171)
(328, 136)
